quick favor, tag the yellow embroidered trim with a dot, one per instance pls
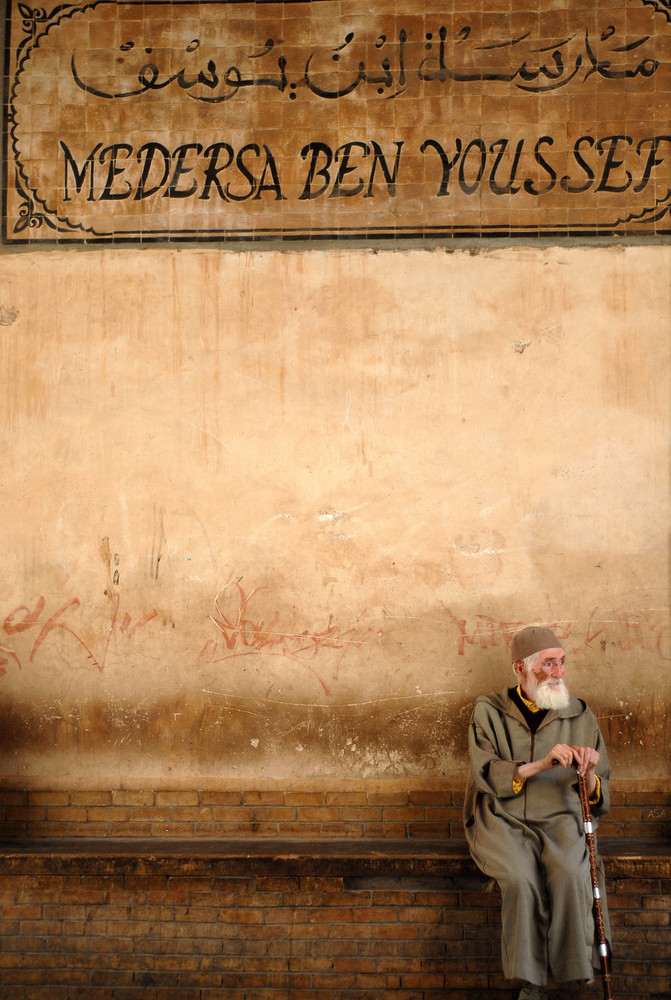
(531, 705)
(596, 797)
(518, 785)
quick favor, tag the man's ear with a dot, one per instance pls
(518, 667)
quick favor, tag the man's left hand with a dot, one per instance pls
(585, 760)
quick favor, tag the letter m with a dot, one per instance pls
(78, 176)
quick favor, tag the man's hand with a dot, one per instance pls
(560, 754)
(584, 759)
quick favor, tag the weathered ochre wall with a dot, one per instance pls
(279, 513)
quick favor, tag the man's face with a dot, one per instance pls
(543, 682)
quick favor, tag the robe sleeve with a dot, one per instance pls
(602, 771)
(492, 772)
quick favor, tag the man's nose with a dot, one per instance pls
(557, 670)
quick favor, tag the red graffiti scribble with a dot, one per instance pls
(28, 622)
(625, 630)
(31, 619)
(4, 660)
(244, 635)
(630, 630)
(483, 631)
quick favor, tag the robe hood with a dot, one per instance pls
(502, 702)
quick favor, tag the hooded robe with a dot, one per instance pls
(532, 841)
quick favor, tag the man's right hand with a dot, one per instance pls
(560, 754)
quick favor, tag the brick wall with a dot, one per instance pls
(308, 938)
(195, 934)
(368, 810)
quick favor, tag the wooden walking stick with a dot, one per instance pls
(594, 872)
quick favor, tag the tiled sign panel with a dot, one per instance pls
(336, 119)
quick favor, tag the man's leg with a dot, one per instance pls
(525, 920)
(571, 929)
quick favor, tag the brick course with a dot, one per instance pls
(372, 811)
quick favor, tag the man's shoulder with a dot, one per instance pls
(499, 700)
(576, 707)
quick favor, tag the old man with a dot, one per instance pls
(523, 818)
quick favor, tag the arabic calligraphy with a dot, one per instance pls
(337, 72)
(197, 121)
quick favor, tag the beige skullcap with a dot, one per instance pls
(532, 640)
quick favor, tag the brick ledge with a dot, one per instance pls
(196, 856)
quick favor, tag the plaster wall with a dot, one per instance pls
(279, 514)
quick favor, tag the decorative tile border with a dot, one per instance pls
(313, 119)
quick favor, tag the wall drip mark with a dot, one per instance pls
(157, 543)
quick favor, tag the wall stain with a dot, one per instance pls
(420, 735)
(8, 315)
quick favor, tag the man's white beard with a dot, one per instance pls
(551, 693)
